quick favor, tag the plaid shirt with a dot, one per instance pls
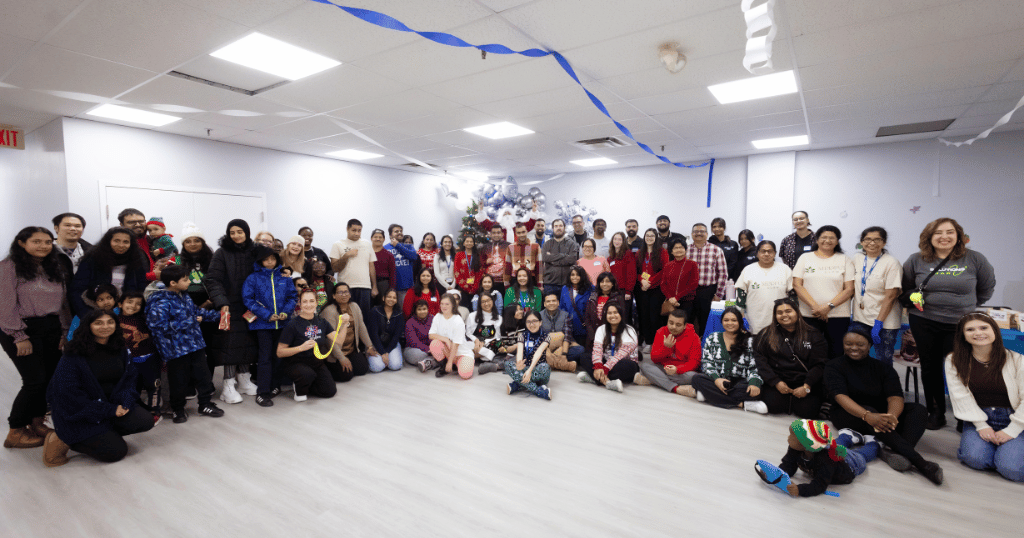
(526, 256)
(711, 264)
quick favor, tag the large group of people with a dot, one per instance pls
(92, 327)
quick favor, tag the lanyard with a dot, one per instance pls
(865, 273)
(524, 299)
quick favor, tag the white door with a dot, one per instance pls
(211, 211)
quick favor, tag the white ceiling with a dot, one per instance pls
(860, 65)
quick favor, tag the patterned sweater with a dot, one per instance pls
(718, 362)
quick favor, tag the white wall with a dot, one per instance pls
(644, 193)
(770, 183)
(32, 183)
(301, 190)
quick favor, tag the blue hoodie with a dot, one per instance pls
(171, 317)
(404, 257)
(266, 292)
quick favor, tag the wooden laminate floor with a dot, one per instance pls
(406, 454)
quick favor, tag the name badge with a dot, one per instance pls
(807, 248)
(597, 264)
(433, 299)
(645, 276)
(612, 263)
(470, 280)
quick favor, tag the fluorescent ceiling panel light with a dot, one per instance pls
(354, 154)
(475, 176)
(594, 162)
(783, 142)
(754, 87)
(498, 130)
(273, 56)
(132, 115)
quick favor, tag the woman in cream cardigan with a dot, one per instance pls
(346, 361)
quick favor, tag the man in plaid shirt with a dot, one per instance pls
(710, 261)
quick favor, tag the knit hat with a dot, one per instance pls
(296, 239)
(191, 230)
(261, 253)
(156, 221)
(815, 436)
(241, 224)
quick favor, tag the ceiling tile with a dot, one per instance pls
(309, 148)
(51, 68)
(224, 72)
(168, 90)
(536, 75)
(251, 138)
(23, 119)
(1007, 90)
(921, 101)
(502, 5)
(380, 135)
(992, 107)
(40, 102)
(546, 102)
(150, 34)
(12, 50)
(33, 19)
(447, 121)
(246, 12)
(199, 129)
(688, 99)
(340, 87)
(311, 128)
(822, 15)
(251, 113)
(403, 106)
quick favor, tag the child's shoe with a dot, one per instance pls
(264, 400)
(211, 410)
(180, 416)
(228, 393)
(543, 392)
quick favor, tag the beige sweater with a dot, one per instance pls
(330, 314)
(966, 408)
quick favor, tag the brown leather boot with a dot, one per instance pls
(39, 427)
(22, 438)
(55, 451)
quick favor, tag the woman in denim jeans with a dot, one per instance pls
(986, 384)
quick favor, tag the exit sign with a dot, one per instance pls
(11, 137)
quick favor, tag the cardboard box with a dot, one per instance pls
(1005, 318)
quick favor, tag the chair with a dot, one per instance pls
(906, 354)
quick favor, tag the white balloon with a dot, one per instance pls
(534, 191)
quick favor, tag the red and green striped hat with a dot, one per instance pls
(816, 435)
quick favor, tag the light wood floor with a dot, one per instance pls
(406, 454)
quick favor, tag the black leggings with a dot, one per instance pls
(109, 446)
(834, 329)
(360, 366)
(310, 380)
(902, 440)
(735, 394)
(35, 369)
(786, 404)
(648, 312)
(934, 342)
(624, 370)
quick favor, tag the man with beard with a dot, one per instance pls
(602, 242)
(579, 230)
(135, 221)
(667, 235)
(495, 256)
(560, 254)
(539, 228)
(633, 241)
(525, 255)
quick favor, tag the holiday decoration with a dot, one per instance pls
(471, 227)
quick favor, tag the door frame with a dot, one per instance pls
(105, 210)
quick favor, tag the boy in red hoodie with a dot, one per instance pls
(675, 357)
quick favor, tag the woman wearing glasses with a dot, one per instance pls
(877, 284)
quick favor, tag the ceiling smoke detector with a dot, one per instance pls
(670, 55)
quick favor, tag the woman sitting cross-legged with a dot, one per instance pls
(730, 377)
(869, 401)
(93, 396)
(615, 356)
(531, 372)
(346, 360)
(484, 330)
(986, 385)
(386, 327)
(303, 342)
(417, 338)
(448, 342)
(790, 357)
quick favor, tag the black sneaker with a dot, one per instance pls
(211, 410)
(179, 416)
(274, 392)
(264, 400)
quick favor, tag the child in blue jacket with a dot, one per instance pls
(173, 321)
(270, 298)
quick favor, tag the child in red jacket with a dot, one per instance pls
(675, 357)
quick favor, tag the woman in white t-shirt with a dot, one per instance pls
(877, 286)
(760, 284)
(448, 342)
(823, 280)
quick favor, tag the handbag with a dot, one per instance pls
(904, 298)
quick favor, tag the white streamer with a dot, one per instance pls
(379, 145)
(761, 32)
(984, 134)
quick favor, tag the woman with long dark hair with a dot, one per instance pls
(730, 377)
(986, 385)
(965, 280)
(116, 259)
(34, 317)
(746, 255)
(606, 292)
(574, 298)
(444, 265)
(468, 273)
(93, 395)
(233, 262)
(615, 354)
(790, 356)
(426, 288)
(650, 260)
(524, 291)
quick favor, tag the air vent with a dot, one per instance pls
(228, 87)
(597, 143)
(414, 165)
(912, 128)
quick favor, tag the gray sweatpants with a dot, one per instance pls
(414, 356)
(656, 374)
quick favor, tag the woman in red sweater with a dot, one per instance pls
(679, 278)
(650, 260)
(426, 289)
(468, 271)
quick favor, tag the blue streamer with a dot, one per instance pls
(711, 172)
(384, 21)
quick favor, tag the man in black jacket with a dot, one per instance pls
(69, 228)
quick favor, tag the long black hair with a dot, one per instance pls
(84, 344)
(200, 259)
(509, 323)
(531, 284)
(433, 287)
(104, 257)
(226, 242)
(609, 276)
(741, 344)
(441, 254)
(585, 283)
(655, 251)
(27, 267)
(480, 310)
(608, 333)
(770, 338)
(475, 265)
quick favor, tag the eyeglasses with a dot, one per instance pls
(533, 321)
(344, 292)
(139, 221)
(872, 240)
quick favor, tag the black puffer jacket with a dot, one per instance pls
(230, 266)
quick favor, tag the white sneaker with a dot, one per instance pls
(298, 398)
(700, 397)
(584, 377)
(756, 406)
(228, 393)
(245, 385)
(614, 384)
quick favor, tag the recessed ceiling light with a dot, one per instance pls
(498, 130)
(475, 176)
(132, 115)
(273, 56)
(354, 154)
(594, 162)
(754, 87)
(783, 142)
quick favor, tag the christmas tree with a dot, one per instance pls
(471, 227)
